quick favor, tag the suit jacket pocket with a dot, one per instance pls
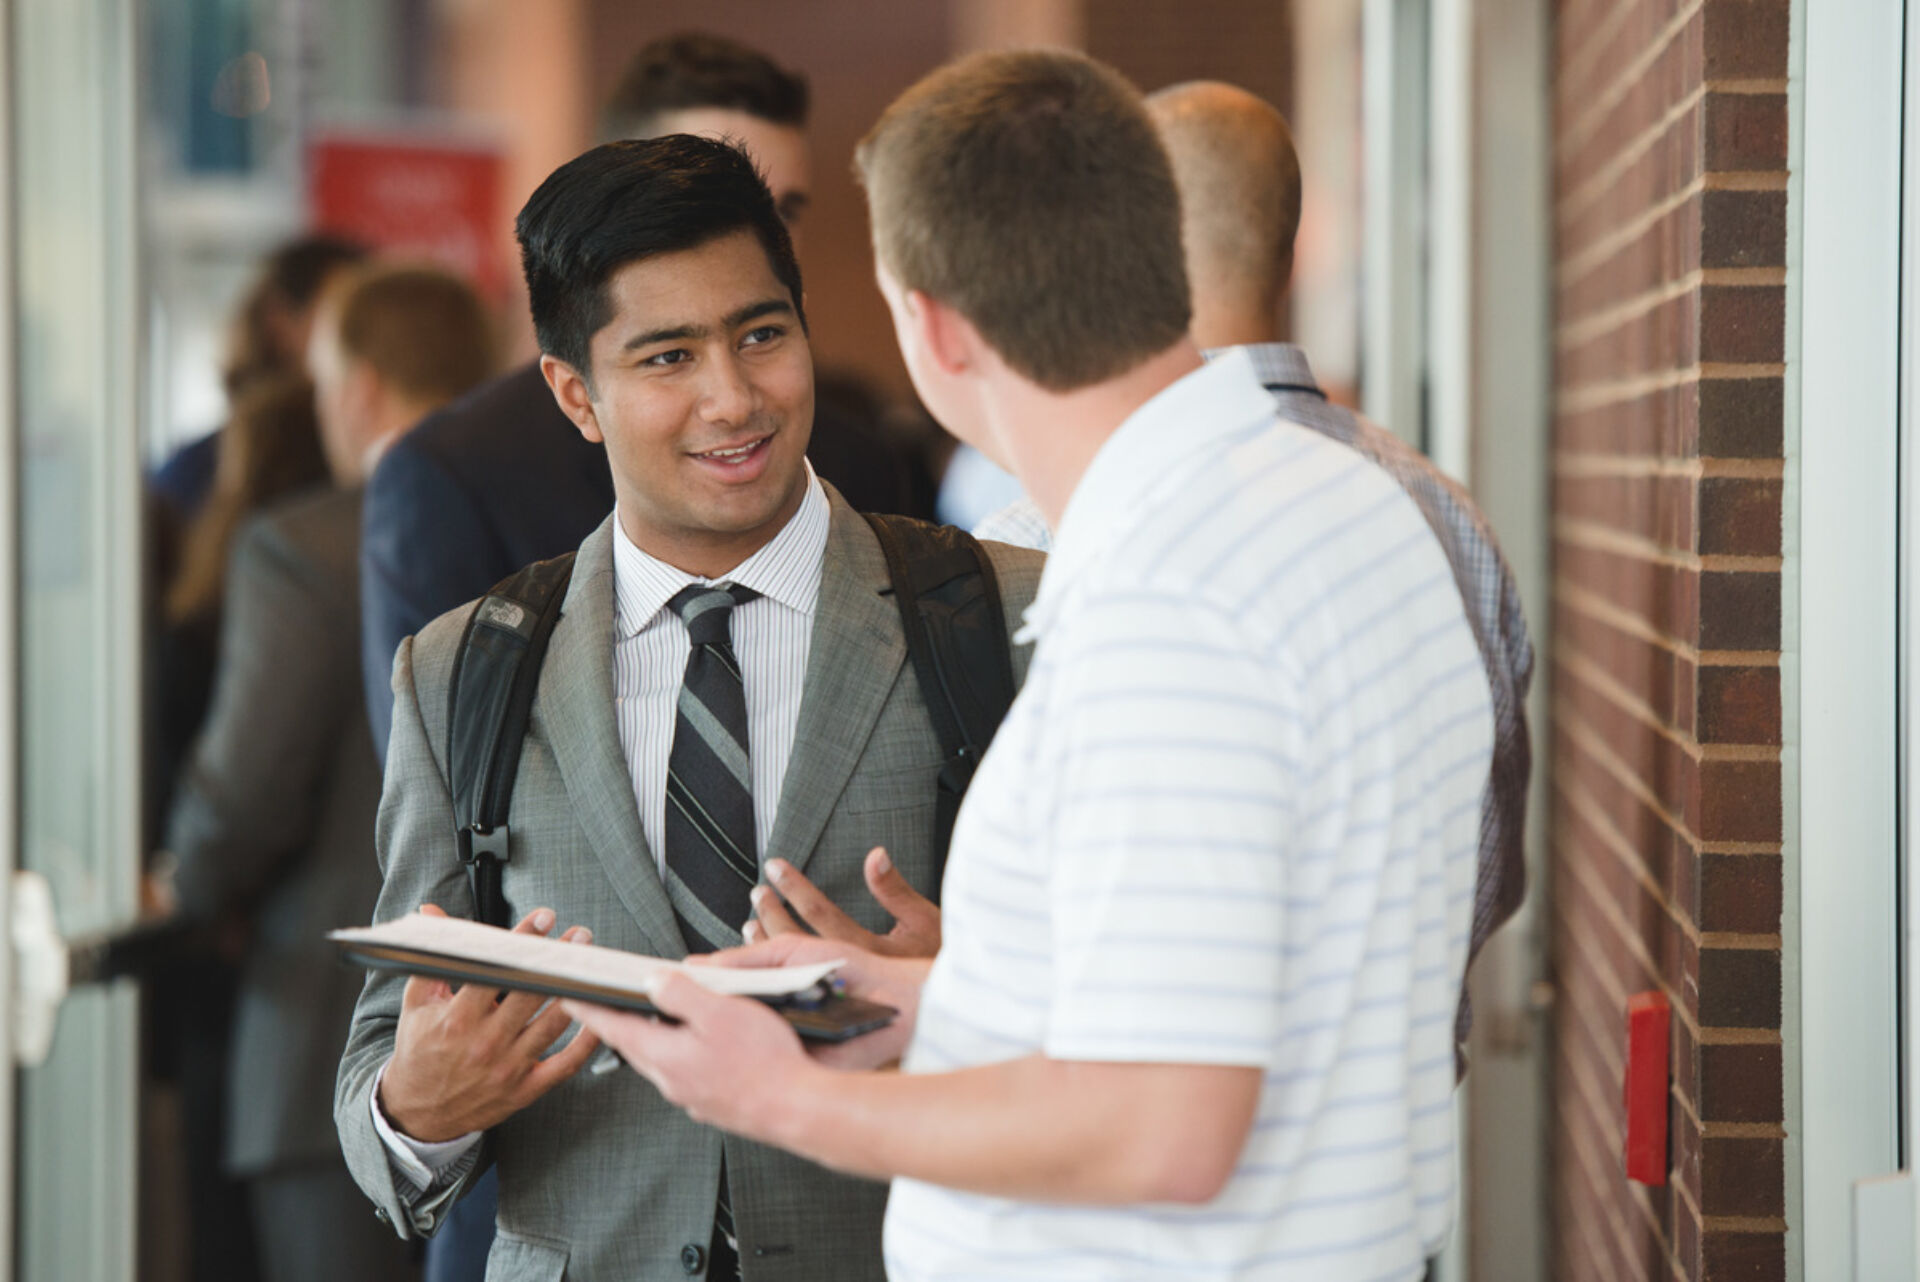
(875, 791)
(523, 1259)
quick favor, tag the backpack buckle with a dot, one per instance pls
(477, 842)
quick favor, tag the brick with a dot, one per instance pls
(1739, 516)
(1739, 988)
(1660, 677)
(1741, 417)
(1666, 596)
(1745, 133)
(1663, 422)
(1743, 1257)
(1743, 229)
(1740, 894)
(1657, 508)
(1739, 705)
(1741, 1083)
(1743, 324)
(1746, 39)
(1739, 610)
(1740, 801)
(1743, 1177)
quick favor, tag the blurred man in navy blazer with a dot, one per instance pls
(501, 478)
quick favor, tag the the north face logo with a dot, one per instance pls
(504, 613)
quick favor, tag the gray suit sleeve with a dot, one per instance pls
(250, 794)
(419, 865)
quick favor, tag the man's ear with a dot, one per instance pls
(575, 399)
(947, 337)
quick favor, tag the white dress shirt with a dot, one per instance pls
(772, 635)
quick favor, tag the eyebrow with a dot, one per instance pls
(733, 320)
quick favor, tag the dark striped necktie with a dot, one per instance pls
(711, 861)
(710, 854)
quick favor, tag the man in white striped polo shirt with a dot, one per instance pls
(1207, 908)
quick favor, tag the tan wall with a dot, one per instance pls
(1670, 219)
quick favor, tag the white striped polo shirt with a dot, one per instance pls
(1231, 819)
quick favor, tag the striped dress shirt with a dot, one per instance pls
(1231, 819)
(1486, 587)
(772, 635)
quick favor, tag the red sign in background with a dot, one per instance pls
(414, 196)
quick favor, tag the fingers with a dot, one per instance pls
(517, 1007)
(432, 910)
(559, 1066)
(423, 991)
(796, 949)
(680, 998)
(814, 908)
(626, 1033)
(477, 1000)
(770, 916)
(896, 894)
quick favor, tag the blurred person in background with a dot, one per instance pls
(502, 478)
(269, 450)
(266, 340)
(275, 812)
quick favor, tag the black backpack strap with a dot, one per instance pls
(495, 674)
(956, 632)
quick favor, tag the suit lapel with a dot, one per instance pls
(576, 687)
(855, 653)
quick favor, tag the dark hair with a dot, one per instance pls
(625, 201)
(694, 69)
(1029, 191)
(269, 447)
(287, 283)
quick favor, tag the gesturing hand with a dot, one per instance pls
(916, 919)
(466, 1061)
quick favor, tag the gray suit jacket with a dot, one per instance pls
(602, 1178)
(274, 815)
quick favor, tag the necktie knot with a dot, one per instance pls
(708, 610)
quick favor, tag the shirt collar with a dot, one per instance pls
(1223, 398)
(1274, 364)
(786, 569)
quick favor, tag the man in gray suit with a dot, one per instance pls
(727, 684)
(276, 808)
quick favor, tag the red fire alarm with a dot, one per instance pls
(1648, 1017)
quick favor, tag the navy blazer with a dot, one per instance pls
(496, 480)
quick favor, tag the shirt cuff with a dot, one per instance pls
(425, 1164)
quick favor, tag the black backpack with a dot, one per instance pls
(956, 638)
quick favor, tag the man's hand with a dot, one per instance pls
(891, 981)
(469, 1060)
(730, 1062)
(916, 919)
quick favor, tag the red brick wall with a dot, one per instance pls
(1670, 222)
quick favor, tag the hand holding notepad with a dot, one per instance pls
(464, 951)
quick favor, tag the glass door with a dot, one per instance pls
(74, 549)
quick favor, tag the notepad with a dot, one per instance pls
(463, 951)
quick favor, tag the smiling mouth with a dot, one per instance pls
(734, 453)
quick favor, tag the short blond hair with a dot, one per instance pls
(422, 330)
(1029, 191)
